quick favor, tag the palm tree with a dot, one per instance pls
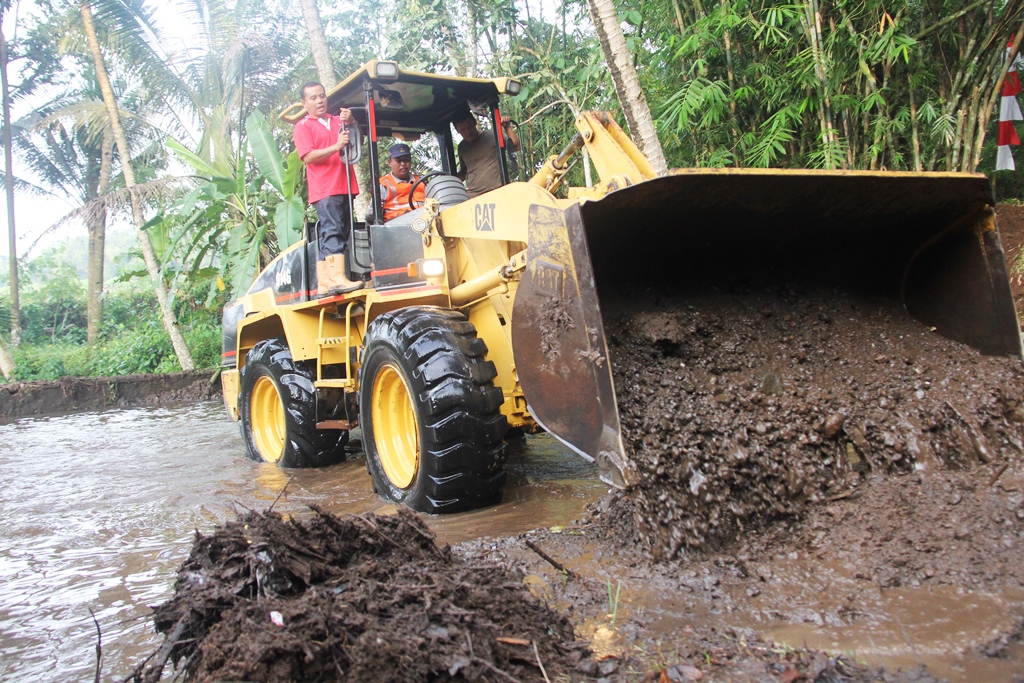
(124, 152)
(318, 43)
(9, 187)
(77, 159)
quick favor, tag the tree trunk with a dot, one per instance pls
(7, 365)
(627, 84)
(124, 152)
(97, 226)
(318, 44)
(9, 187)
(473, 34)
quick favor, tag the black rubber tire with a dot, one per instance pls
(303, 444)
(458, 421)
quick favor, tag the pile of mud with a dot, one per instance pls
(356, 598)
(742, 406)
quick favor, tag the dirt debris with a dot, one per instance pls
(358, 598)
(936, 528)
(69, 394)
(745, 406)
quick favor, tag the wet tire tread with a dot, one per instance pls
(463, 452)
(305, 446)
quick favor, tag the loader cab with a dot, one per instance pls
(394, 105)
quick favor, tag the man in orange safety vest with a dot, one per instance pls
(395, 186)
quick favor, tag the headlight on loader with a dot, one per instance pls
(426, 267)
(384, 69)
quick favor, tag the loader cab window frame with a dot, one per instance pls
(441, 132)
(377, 157)
(417, 118)
(499, 139)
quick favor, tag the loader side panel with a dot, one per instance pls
(287, 275)
(926, 238)
(233, 312)
(394, 246)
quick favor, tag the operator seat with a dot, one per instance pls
(448, 190)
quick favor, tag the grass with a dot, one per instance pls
(613, 600)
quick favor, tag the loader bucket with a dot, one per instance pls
(559, 346)
(927, 239)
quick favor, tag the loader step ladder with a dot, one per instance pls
(332, 341)
(347, 340)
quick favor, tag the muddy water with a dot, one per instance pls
(99, 509)
(949, 629)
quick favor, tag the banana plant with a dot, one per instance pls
(283, 175)
(223, 221)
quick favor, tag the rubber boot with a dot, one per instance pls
(321, 278)
(337, 279)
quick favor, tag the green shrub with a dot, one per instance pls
(133, 350)
(52, 361)
(204, 341)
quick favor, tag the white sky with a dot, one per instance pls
(34, 214)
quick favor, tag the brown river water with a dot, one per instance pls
(98, 510)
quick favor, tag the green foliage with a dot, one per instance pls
(52, 301)
(896, 85)
(289, 216)
(136, 349)
(224, 224)
(142, 347)
(132, 339)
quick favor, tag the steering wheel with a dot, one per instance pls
(423, 179)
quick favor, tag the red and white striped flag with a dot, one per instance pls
(1009, 111)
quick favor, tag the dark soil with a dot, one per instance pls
(361, 599)
(70, 394)
(375, 599)
(1010, 222)
(745, 406)
(803, 452)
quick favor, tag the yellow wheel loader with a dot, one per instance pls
(483, 314)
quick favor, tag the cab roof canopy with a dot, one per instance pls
(407, 100)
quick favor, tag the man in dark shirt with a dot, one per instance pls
(478, 154)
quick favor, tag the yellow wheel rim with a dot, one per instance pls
(396, 431)
(267, 419)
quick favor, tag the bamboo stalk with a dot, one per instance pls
(825, 89)
(954, 158)
(728, 65)
(915, 134)
(808, 25)
(972, 119)
(679, 17)
(951, 18)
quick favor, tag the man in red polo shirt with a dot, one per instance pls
(319, 140)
